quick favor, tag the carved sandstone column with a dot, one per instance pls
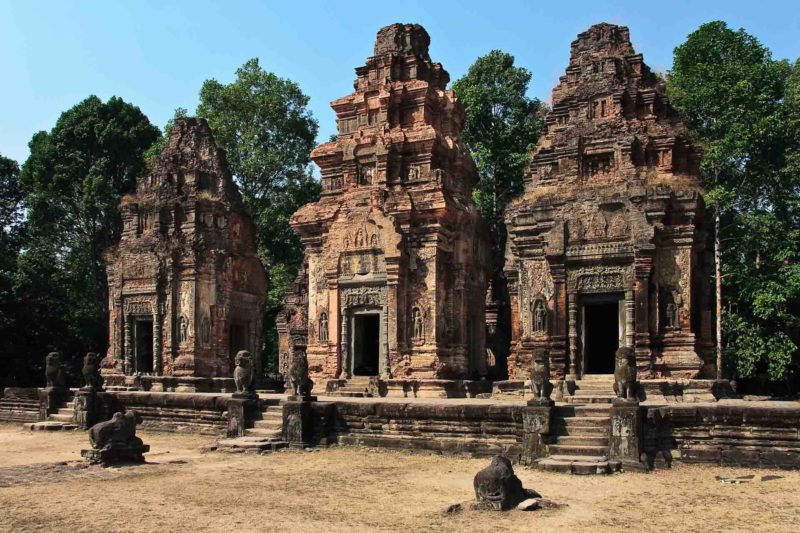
(558, 329)
(157, 343)
(629, 318)
(128, 345)
(641, 345)
(573, 334)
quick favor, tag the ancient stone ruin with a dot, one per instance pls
(185, 283)
(606, 244)
(115, 441)
(396, 262)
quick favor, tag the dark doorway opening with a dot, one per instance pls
(366, 344)
(602, 337)
(143, 349)
(237, 340)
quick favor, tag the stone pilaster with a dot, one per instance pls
(536, 425)
(625, 439)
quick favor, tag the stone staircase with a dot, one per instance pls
(265, 435)
(19, 405)
(355, 387)
(579, 440)
(593, 388)
(61, 420)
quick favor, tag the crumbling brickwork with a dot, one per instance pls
(396, 255)
(609, 234)
(186, 285)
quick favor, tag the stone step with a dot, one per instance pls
(348, 394)
(264, 433)
(579, 465)
(250, 444)
(60, 416)
(585, 421)
(268, 424)
(272, 415)
(581, 440)
(599, 400)
(50, 426)
(565, 411)
(596, 377)
(562, 449)
(577, 431)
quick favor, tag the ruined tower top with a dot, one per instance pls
(400, 127)
(602, 39)
(403, 39)
(611, 121)
(189, 164)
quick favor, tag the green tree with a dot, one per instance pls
(72, 183)
(10, 241)
(730, 92)
(501, 130)
(264, 124)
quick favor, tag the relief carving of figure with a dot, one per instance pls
(539, 313)
(323, 327)
(183, 329)
(418, 332)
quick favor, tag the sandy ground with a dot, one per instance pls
(45, 486)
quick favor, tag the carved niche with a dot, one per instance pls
(535, 284)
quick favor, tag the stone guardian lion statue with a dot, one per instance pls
(625, 374)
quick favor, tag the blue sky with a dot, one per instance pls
(156, 54)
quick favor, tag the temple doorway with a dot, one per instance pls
(143, 347)
(602, 332)
(237, 340)
(366, 344)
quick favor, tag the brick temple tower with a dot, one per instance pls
(185, 284)
(606, 244)
(395, 251)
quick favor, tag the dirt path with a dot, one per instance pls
(354, 489)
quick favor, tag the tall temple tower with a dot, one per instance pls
(395, 273)
(606, 244)
(186, 285)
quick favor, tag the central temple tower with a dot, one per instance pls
(395, 272)
(606, 245)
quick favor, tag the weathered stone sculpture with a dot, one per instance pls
(115, 440)
(625, 374)
(299, 382)
(243, 373)
(498, 488)
(395, 251)
(92, 379)
(540, 375)
(185, 282)
(53, 373)
(606, 244)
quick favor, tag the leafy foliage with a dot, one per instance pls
(263, 123)
(742, 106)
(71, 185)
(501, 130)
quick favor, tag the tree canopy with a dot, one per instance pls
(741, 105)
(501, 130)
(70, 187)
(264, 124)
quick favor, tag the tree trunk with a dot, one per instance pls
(718, 282)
